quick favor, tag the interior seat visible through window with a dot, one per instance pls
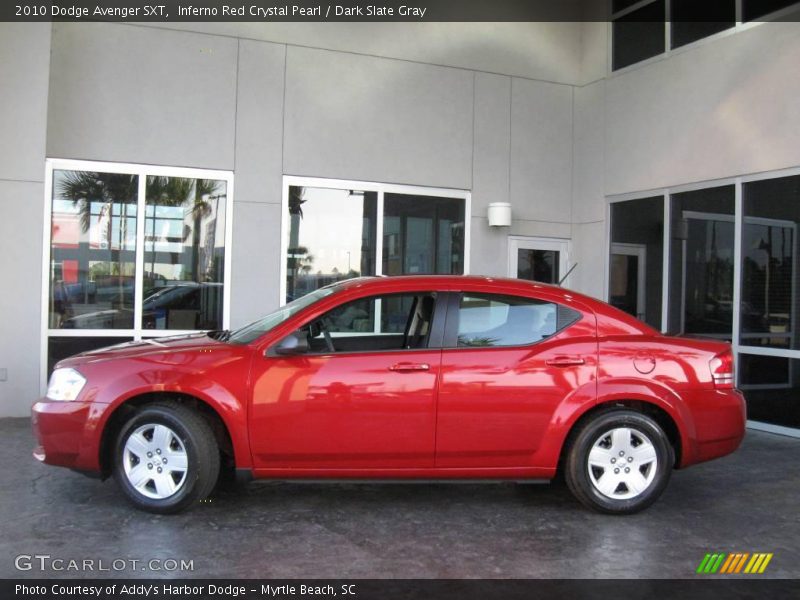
(391, 322)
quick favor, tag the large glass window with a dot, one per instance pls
(769, 307)
(639, 27)
(422, 234)
(331, 237)
(92, 250)
(711, 246)
(337, 233)
(702, 262)
(637, 249)
(133, 250)
(184, 253)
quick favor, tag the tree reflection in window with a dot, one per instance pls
(184, 253)
(93, 244)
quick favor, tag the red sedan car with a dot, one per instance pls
(424, 377)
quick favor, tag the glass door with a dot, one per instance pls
(627, 289)
(544, 260)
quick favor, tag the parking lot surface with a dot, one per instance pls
(747, 502)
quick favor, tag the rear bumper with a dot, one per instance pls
(67, 434)
(719, 419)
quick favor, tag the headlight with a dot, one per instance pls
(65, 384)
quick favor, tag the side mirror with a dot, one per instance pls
(292, 344)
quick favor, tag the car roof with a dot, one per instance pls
(455, 282)
(498, 285)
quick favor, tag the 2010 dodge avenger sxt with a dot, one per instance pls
(420, 377)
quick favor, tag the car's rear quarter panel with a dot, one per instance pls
(674, 374)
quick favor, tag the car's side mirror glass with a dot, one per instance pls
(295, 343)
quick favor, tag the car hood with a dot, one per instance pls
(161, 345)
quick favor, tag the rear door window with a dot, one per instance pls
(486, 320)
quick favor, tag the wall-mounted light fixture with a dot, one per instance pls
(499, 214)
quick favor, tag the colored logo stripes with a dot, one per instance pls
(736, 562)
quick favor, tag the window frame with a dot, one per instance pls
(380, 189)
(738, 26)
(740, 220)
(450, 341)
(142, 171)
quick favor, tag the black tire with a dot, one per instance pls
(584, 481)
(192, 438)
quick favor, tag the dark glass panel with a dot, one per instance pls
(538, 265)
(769, 308)
(755, 9)
(637, 248)
(59, 348)
(423, 234)
(692, 20)
(638, 35)
(701, 262)
(771, 385)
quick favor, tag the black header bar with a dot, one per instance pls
(353, 10)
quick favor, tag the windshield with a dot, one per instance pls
(256, 329)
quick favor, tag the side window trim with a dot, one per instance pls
(450, 341)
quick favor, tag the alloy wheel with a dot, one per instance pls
(155, 461)
(622, 463)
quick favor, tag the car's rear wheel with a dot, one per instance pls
(619, 462)
(166, 458)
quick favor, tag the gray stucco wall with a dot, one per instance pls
(23, 98)
(723, 108)
(266, 110)
(269, 105)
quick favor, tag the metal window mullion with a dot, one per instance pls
(285, 226)
(47, 231)
(738, 216)
(138, 297)
(228, 260)
(667, 26)
(738, 13)
(665, 262)
(378, 255)
(467, 233)
(379, 234)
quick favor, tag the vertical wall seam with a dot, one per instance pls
(283, 111)
(236, 103)
(474, 140)
(572, 166)
(510, 133)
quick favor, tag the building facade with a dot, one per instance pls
(169, 178)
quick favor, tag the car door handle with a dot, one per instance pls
(565, 361)
(410, 367)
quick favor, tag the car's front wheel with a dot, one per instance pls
(619, 462)
(166, 458)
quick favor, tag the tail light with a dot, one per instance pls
(722, 370)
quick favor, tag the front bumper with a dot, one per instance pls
(67, 433)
